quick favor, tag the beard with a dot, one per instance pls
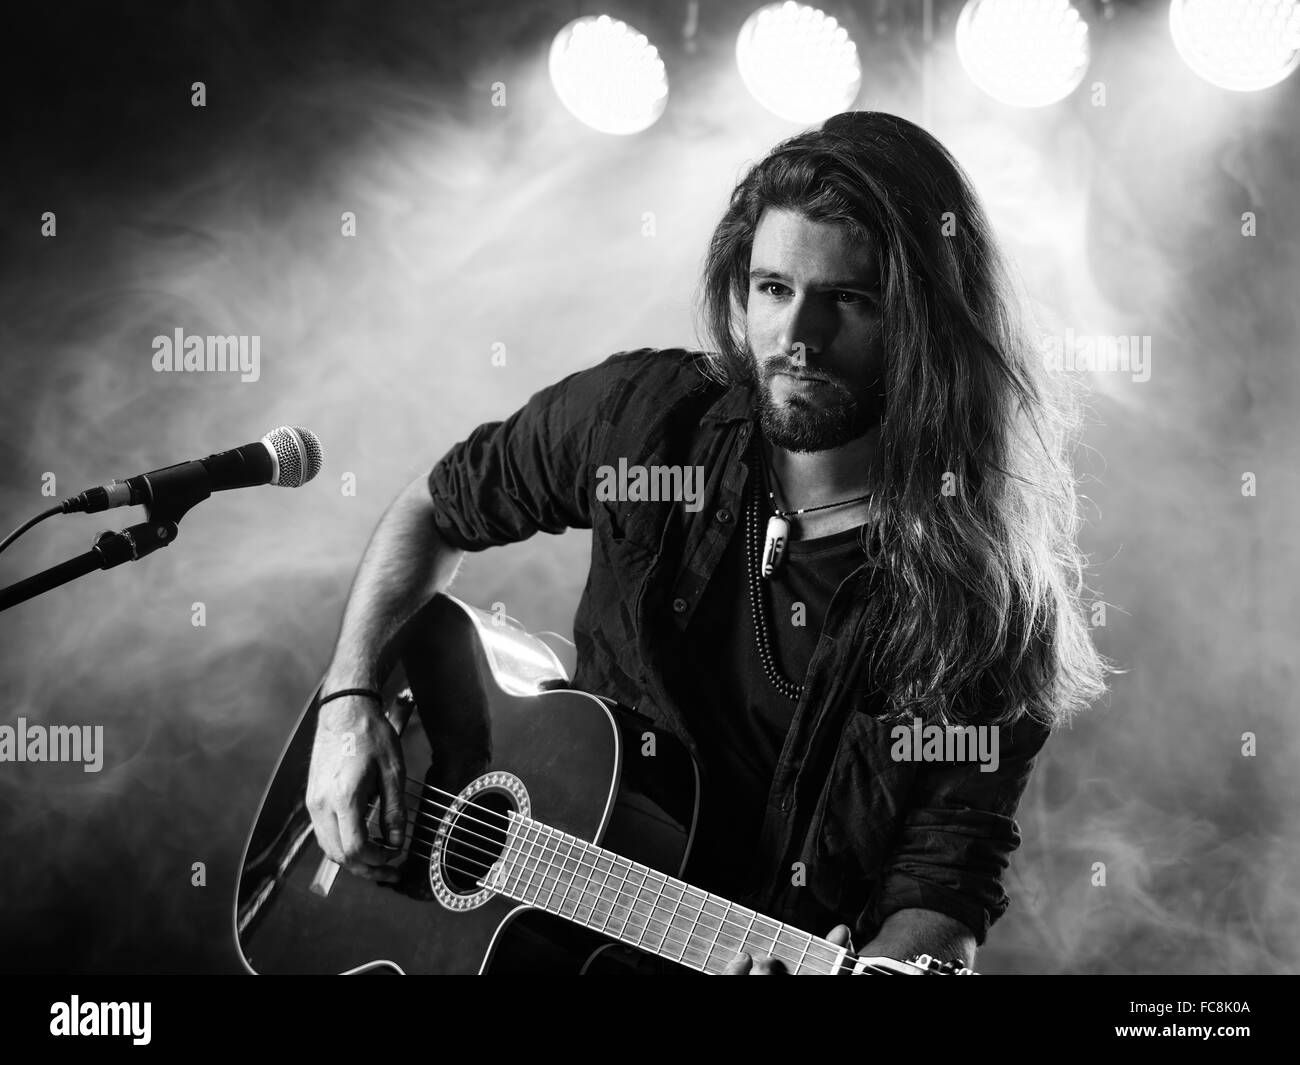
(828, 416)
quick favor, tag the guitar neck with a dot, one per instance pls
(634, 904)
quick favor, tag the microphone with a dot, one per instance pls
(289, 456)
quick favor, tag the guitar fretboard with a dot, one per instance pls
(634, 904)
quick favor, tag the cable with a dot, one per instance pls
(28, 524)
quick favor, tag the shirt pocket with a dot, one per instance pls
(627, 541)
(631, 533)
(634, 522)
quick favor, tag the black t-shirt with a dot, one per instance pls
(738, 716)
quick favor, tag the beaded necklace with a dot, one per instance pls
(778, 530)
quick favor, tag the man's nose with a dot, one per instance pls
(804, 331)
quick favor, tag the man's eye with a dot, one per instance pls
(857, 297)
(845, 297)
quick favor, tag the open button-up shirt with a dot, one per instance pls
(850, 834)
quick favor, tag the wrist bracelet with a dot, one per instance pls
(370, 693)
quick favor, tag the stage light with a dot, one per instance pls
(798, 62)
(1243, 45)
(1026, 53)
(608, 75)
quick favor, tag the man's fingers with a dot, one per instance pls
(839, 935)
(744, 965)
(327, 834)
(394, 803)
(355, 758)
(382, 874)
(739, 967)
(358, 851)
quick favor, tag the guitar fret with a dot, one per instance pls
(572, 874)
(515, 868)
(622, 895)
(691, 933)
(663, 900)
(803, 954)
(652, 882)
(787, 951)
(542, 855)
(744, 938)
(660, 908)
(584, 892)
(602, 907)
(643, 907)
(765, 950)
(535, 856)
(564, 873)
(672, 919)
(730, 948)
(647, 902)
(603, 875)
(545, 866)
(619, 892)
(507, 863)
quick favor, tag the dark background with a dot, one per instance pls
(479, 226)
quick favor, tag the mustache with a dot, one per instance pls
(783, 364)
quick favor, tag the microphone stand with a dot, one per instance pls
(172, 492)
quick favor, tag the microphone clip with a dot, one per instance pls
(170, 493)
(134, 542)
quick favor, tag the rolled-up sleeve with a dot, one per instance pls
(530, 473)
(958, 834)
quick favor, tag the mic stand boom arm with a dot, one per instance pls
(172, 492)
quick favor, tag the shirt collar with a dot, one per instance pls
(736, 404)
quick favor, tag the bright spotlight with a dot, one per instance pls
(1243, 45)
(1026, 53)
(608, 75)
(798, 62)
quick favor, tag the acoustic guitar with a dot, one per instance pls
(547, 829)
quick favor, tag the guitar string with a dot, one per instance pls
(552, 875)
(581, 865)
(695, 908)
(814, 949)
(590, 867)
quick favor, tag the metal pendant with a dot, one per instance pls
(778, 533)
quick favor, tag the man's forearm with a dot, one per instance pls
(907, 933)
(405, 564)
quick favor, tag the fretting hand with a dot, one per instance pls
(744, 965)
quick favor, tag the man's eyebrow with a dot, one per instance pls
(762, 274)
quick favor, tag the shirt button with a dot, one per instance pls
(722, 514)
(680, 605)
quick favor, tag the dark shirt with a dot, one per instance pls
(848, 833)
(739, 717)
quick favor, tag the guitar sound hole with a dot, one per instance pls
(476, 837)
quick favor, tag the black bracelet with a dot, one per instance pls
(368, 692)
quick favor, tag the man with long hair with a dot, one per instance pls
(883, 548)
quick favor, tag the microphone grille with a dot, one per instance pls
(298, 455)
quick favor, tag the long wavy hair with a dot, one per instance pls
(983, 616)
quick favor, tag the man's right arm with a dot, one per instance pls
(356, 753)
(503, 483)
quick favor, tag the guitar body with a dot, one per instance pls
(479, 739)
